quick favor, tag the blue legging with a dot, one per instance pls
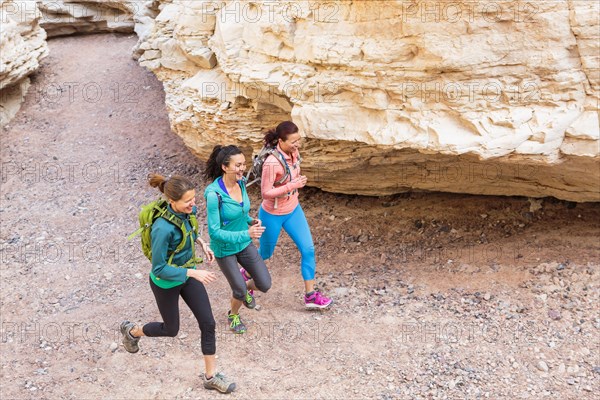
(296, 226)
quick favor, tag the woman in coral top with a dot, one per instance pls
(280, 207)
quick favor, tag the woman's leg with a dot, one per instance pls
(167, 301)
(210, 366)
(268, 240)
(229, 267)
(297, 227)
(195, 296)
(255, 265)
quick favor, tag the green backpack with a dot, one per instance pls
(158, 209)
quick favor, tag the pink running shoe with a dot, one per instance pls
(316, 300)
(246, 279)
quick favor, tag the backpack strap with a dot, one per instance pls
(220, 200)
(281, 158)
(194, 223)
(288, 173)
(137, 232)
(254, 170)
(175, 220)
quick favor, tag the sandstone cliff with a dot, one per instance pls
(67, 17)
(492, 98)
(25, 25)
(474, 97)
(22, 46)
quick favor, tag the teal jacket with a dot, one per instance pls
(228, 224)
(165, 239)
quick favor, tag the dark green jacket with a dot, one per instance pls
(165, 239)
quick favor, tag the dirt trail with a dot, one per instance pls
(437, 296)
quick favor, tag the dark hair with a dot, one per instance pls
(221, 155)
(174, 187)
(282, 131)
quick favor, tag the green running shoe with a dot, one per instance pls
(249, 300)
(235, 323)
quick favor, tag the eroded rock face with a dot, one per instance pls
(67, 17)
(23, 45)
(485, 98)
(27, 23)
(491, 98)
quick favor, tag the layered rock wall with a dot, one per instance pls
(25, 25)
(67, 17)
(22, 46)
(474, 97)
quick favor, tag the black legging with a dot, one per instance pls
(194, 294)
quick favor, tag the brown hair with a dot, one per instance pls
(174, 187)
(221, 155)
(282, 131)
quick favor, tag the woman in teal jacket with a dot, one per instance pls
(231, 230)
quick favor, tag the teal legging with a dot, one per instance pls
(296, 226)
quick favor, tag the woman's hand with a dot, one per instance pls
(256, 231)
(210, 256)
(202, 276)
(256, 221)
(299, 182)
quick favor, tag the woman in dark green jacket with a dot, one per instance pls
(170, 279)
(231, 230)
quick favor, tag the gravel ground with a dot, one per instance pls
(437, 296)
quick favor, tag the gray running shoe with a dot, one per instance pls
(218, 382)
(130, 342)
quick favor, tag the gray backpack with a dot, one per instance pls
(255, 173)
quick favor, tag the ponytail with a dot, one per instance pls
(282, 131)
(174, 187)
(271, 138)
(157, 181)
(221, 155)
